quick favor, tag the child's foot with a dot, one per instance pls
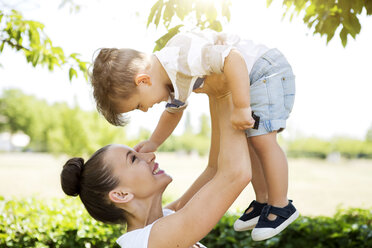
(266, 228)
(250, 217)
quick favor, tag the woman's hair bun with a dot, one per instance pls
(70, 176)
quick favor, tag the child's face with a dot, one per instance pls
(144, 98)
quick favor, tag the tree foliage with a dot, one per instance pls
(56, 128)
(59, 128)
(325, 17)
(28, 37)
(369, 134)
(173, 13)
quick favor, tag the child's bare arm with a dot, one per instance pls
(237, 76)
(167, 123)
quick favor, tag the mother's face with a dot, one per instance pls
(138, 173)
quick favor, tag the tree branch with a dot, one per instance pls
(14, 45)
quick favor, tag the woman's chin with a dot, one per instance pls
(167, 181)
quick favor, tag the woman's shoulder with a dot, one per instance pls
(139, 238)
(136, 238)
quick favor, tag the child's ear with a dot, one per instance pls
(143, 78)
(119, 196)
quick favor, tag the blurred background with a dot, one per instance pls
(47, 113)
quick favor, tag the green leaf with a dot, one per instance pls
(183, 8)
(343, 36)
(352, 23)
(153, 10)
(158, 15)
(211, 14)
(216, 25)
(2, 46)
(268, 2)
(35, 59)
(357, 6)
(300, 5)
(168, 14)
(330, 26)
(368, 6)
(72, 72)
(162, 41)
(310, 12)
(226, 9)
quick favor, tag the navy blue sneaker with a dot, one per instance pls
(266, 228)
(249, 220)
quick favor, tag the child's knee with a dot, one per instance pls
(264, 142)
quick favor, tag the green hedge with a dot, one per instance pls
(63, 222)
(60, 223)
(318, 148)
(348, 228)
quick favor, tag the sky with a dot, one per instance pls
(333, 83)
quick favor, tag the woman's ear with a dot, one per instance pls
(118, 196)
(143, 78)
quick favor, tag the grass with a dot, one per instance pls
(317, 187)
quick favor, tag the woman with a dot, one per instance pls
(120, 185)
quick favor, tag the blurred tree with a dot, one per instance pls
(12, 105)
(204, 126)
(369, 134)
(188, 125)
(56, 128)
(326, 17)
(24, 113)
(71, 136)
(28, 37)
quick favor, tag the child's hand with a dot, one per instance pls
(241, 118)
(146, 146)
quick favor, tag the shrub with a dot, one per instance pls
(348, 228)
(60, 223)
(63, 223)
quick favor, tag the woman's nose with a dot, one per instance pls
(148, 157)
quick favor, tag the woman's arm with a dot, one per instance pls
(208, 205)
(211, 168)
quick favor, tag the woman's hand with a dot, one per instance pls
(215, 85)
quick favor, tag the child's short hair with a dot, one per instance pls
(113, 80)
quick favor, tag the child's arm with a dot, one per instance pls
(237, 77)
(167, 123)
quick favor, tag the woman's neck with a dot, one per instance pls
(144, 212)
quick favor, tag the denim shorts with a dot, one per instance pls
(272, 92)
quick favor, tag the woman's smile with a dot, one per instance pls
(156, 170)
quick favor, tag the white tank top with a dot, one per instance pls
(139, 238)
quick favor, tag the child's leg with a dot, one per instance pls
(275, 168)
(250, 216)
(258, 177)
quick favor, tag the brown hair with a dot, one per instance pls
(92, 181)
(112, 78)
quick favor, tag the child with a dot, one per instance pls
(260, 79)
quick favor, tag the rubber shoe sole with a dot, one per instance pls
(259, 234)
(241, 226)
